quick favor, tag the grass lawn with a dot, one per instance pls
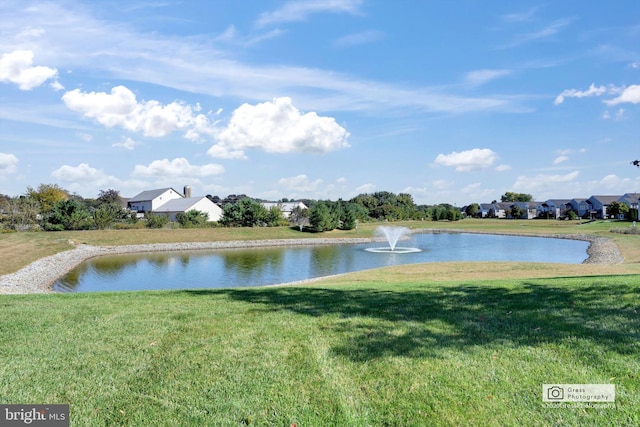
(347, 352)
(432, 344)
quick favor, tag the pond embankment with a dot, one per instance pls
(39, 276)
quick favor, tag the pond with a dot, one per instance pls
(230, 268)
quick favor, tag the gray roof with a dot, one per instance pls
(180, 205)
(150, 195)
(606, 200)
(632, 196)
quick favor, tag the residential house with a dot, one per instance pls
(581, 206)
(167, 201)
(487, 210)
(529, 210)
(502, 209)
(203, 204)
(553, 208)
(285, 207)
(150, 200)
(633, 201)
(599, 205)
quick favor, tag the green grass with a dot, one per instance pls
(338, 353)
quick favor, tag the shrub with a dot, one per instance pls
(192, 218)
(156, 221)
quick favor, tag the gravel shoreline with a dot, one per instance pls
(40, 275)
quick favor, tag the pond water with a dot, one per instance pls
(230, 268)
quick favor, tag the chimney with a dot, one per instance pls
(187, 191)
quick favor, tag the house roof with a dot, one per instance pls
(631, 196)
(181, 205)
(606, 200)
(150, 194)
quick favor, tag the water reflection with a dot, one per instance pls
(264, 266)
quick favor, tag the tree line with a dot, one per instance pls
(50, 207)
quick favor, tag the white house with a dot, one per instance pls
(185, 204)
(285, 207)
(150, 200)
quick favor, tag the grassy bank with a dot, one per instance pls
(20, 249)
(376, 349)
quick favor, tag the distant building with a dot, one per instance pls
(285, 207)
(202, 204)
(167, 201)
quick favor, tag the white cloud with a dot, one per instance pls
(86, 137)
(300, 183)
(120, 108)
(202, 65)
(127, 143)
(82, 172)
(546, 32)
(298, 10)
(480, 77)
(366, 188)
(560, 159)
(503, 168)
(520, 16)
(176, 168)
(8, 164)
(574, 93)
(355, 39)
(220, 152)
(470, 160)
(544, 186)
(278, 127)
(16, 67)
(630, 94)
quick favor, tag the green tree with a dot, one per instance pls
(47, 195)
(69, 215)
(108, 197)
(349, 219)
(156, 220)
(274, 217)
(516, 197)
(472, 209)
(616, 209)
(21, 212)
(106, 215)
(245, 212)
(320, 217)
(515, 211)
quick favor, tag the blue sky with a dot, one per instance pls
(452, 102)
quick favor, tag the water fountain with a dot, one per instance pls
(393, 234)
